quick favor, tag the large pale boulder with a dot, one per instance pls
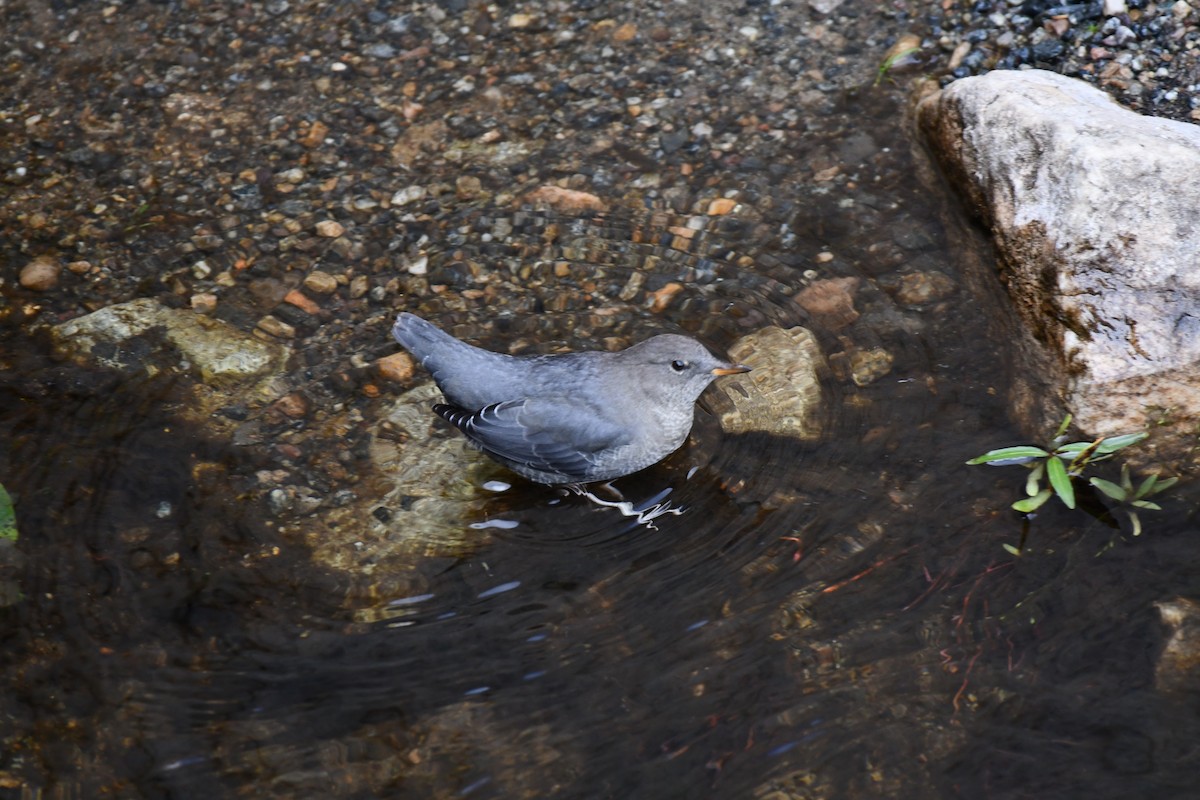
(1095, 214)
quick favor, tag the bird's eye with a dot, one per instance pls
(679, 366)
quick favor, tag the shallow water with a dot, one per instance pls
(833, 618)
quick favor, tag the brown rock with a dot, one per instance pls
(294, 405)
(299, 300)
(831, 301)
(397, 368)
(467, 187)
(316, 134)
(320, 282)
(721, 206)
(40, 275)
(276, 327)
(330, 229)
(566, 200)
(662, 298)
(625, 33)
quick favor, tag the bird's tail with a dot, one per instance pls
(418, 336)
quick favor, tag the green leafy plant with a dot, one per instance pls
(1060, 462)
(8, 516)
(886, 66)
(1130, 498)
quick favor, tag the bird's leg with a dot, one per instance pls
(645, 515)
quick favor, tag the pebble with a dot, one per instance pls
(294, 405)
(661, 299)
(276, 327)
(568, 201)
(467, 187)
(632, 286)
(204, 303)
(721, 206)
(359, 286)
(40, 275)
(80, 267)
(396, 368)
(320, 282)
(301, 301)
(408, 195)
(625, 33)
(330, 229)
(316, 134)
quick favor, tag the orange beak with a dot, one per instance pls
(735, 369)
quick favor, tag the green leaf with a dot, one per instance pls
(1109, 488)
(1162, 486)
(1012, 455)
(1112, 444)
(1146, 504)
(8, 516)
(890, 62)
(1035, 478)
(1137, 523)
(1146, 487)
(1061, 482)
(1011, 549)
(1033, 503)
(1062, 426)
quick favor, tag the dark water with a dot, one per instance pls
(834, 619)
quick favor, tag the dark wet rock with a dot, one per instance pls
(919, 288)
(1178, 667)
(1093, 209)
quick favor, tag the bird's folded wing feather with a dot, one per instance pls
(546, 434)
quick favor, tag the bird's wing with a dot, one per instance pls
(546, 434)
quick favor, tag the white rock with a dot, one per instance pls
(1094, 212)
(824, 6)
(407, 195)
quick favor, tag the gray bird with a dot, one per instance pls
(573, 417)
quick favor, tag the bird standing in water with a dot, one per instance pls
(570, 418)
